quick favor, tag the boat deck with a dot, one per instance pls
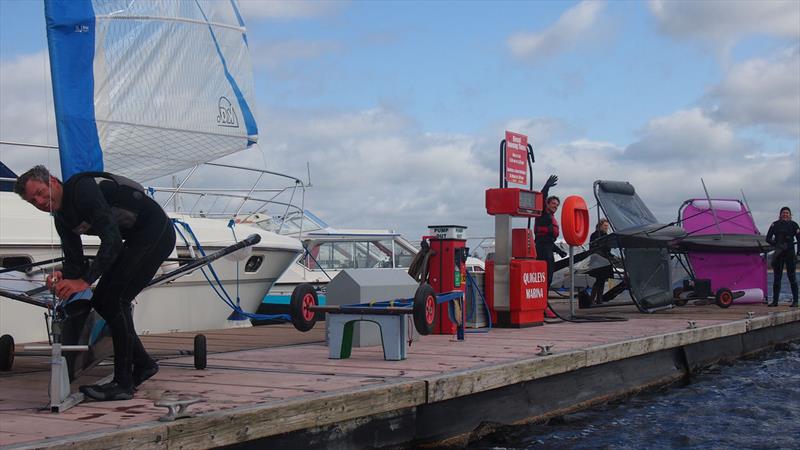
(268, 380)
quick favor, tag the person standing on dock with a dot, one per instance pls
(136, 236)
(783, 234)
(601, 274)
(545, 227)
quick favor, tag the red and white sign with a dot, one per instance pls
(516, 158)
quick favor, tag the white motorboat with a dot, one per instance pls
(329, 250)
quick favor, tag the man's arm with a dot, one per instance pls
(74, 261)
(91, 204)
(551, 181)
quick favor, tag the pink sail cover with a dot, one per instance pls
(737, 272)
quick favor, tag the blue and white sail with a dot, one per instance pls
(147, 88)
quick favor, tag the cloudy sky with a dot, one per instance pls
(398, 108)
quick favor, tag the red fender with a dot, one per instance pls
(575, 220)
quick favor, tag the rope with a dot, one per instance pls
(225, 298)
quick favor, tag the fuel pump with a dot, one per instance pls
(516, 283)
(447, 270)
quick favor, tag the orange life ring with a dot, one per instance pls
(575, 220)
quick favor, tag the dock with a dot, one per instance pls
(274, 387)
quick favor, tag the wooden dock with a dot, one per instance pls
(274, 387)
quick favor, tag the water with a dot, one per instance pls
(753, 404)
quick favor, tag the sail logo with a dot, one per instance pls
(226, 115)
(81, 28)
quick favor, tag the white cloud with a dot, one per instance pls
(275, 9)
(685, 134)
(573, 25)
(725, 22)
(26, 112)
(761, 92)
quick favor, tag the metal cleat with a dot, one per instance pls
(750, 314)
(177, 407)
(544, 350)
(692, 325)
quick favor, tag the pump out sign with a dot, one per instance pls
(516, 158)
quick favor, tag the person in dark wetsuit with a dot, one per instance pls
(601, 274)
(136, 236)
(546, 230)
(783, 234)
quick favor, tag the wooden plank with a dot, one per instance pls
(244, 424)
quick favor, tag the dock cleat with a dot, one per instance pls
(107, 392)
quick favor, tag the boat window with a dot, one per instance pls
(253, 263)
(402, 255)
(9, 262)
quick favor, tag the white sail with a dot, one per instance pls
(168, 84)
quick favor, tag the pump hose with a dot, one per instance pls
(584, 319)
(418, 269)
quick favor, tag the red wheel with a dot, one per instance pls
(424, 309)
(304, 297)
(724, 298)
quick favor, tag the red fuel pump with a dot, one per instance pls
(516, 283)
(447, 269)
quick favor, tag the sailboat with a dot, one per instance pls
(143, 90)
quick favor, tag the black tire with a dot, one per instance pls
(200, 352)
(425, 309)
(724, 298)
(303, 296)
(6, 352)
(676, 295)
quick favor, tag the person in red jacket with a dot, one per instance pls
(546, 230)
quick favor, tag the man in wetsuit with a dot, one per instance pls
(136, 236)
(546, 230)
(782, 234)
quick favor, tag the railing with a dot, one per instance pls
(266, 202)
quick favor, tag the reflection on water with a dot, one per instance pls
(753, 404)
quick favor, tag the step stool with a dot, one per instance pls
(394, 334)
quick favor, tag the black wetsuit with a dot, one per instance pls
(601, 274)
(136, 236)
(783, 234)
(546, 230)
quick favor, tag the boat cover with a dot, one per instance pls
(725, 246)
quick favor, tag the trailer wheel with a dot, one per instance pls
(6, 352)
(200, 352)
(304, 297)
(676, 294)
(424, 309)
(724, 298)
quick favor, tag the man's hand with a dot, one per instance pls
(65, 288)
(53, 278)
(552, 181)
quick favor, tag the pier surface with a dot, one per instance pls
(273, 385)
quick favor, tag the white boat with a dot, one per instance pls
(147, 89)
(329, 250)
